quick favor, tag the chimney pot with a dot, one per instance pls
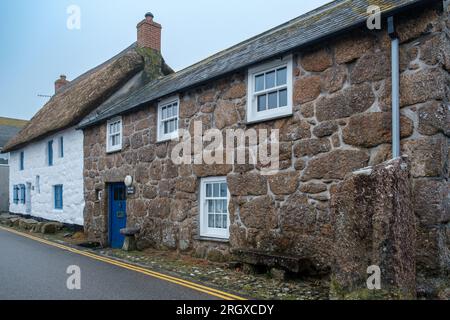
(149, 16)
(60, 83)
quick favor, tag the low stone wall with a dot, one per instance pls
(374, 225)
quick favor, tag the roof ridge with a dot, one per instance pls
(333, 18)
(92, 70)
(12, 122)
(326, 6)
(43, 123)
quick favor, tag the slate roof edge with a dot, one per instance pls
(401, 8)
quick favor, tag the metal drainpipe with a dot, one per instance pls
(395, 88)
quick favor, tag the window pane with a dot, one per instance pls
(218, 221)
(283, 98)
(121, 194)
(270, 80)
(218, 204)
(61, 147)
(50, 153)
(208, 190)
(210, 221)
(210, 206)
(58, 197)
(115, 140)
(166, 127)
(174, 125)
(262, 103)
(216, 189)
(281, 76)
(224, 206)
(225, 221)
(273, 100)
(175, 110)
(223, 190)
(259, 83)
(164, 113)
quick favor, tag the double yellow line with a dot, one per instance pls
(187, 284)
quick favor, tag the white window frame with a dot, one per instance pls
(164, 103)
(205, 231)
(109, 147)
(252, 108)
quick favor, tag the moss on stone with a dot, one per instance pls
(154, 62)
(337, 292)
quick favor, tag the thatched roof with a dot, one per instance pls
(9, 128)
(78, 98)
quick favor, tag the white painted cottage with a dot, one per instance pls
(46, 156)
(46, 178)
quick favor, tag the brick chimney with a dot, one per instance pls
(60, 83)
(149, 33)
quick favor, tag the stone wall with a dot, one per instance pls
(374, 222)
(341, 123)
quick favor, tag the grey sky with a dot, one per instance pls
(37, 46)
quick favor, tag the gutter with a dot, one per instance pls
(395, 63)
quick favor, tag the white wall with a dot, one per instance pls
(67, 171)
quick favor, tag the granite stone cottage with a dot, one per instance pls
(325, 81)
(46, 176)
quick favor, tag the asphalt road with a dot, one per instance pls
(30, 270)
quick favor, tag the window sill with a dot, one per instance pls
(113, 151)
(168, 138)
(212, 239)
(267, 119)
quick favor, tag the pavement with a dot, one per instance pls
(31, 270)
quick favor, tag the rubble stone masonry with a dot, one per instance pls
(341, 122)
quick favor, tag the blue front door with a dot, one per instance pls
(117, 214)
